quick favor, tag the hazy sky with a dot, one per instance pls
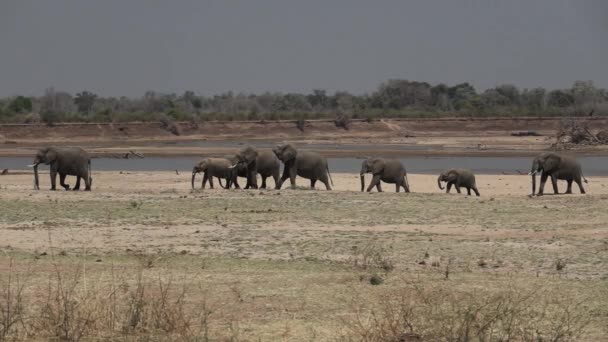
(125, 47)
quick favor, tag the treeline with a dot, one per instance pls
(392, 99)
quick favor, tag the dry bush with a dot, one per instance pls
(572, 131)
(301, 124)
(342, 121)
(169, 125)
(12, 308)
(371, 256)
(442, 313)
(68, 311)
(70, 306)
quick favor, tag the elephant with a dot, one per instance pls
(236, 170)
(264, 163)
(310, 165)
(459, 178)
(212, 167)
(387, 170)
(65, 161)
(557, 167)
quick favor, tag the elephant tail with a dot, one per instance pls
(584, 179)
(329, 174)
(89, 173)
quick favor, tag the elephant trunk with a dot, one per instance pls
(362, 182)
(36, 182)
(439, 182)
(194, 172)
(533, 171)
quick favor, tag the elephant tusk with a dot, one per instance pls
(532, 173)
(32, 165)
(233, 166)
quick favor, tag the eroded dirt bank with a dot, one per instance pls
(445, 136)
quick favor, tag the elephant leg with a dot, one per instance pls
(275, 176)
(286, 174)
(397, 187)
(205, 179)
(292, 177)
(554, 183)
(210, 182)
(468, 191)
(457, 187)
(475, 190)
(448, 187)
(325, 181)
(580, 185)
(541, 186)
(236, 183)
(569, 189)
(379, 187)
(374, 183)
(313, 181)
(253, 180)
(77, 186)
(53, 174)
(62, 181)
(263, 182)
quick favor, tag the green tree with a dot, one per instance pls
(20, 104)
(84, 101)
(560, 99)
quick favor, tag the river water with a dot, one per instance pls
(592, 165)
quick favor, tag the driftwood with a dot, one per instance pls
(574, 133)
(525, 134)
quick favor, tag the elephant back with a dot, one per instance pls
(466, 176)
(72, 160)
(267, 162)
(310, 164)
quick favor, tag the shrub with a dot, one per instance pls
(442, 313)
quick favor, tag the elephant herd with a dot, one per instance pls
(250, 162)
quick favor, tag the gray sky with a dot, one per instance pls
(125, 47)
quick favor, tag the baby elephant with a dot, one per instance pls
(459, 178)
(387, 170)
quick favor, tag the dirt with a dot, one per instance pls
(445, 136)
(287, 265)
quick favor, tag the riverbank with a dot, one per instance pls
(405, 137)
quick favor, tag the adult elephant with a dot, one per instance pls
(212, 167)
(65, 161)
(309, 165)
(460, 178)
(557, 167)
(265, 163)
(387, 170)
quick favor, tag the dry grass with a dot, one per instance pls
(162, 263)
(511, 311)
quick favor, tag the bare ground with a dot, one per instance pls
(443, 136)
(286, 265)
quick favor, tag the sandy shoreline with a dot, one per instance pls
(128, 182)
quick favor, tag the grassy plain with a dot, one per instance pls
(143, 257)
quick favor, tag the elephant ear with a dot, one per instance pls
(552, 162)
(376, 165)
(51, 155)
(289, 152)
(451, 175)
